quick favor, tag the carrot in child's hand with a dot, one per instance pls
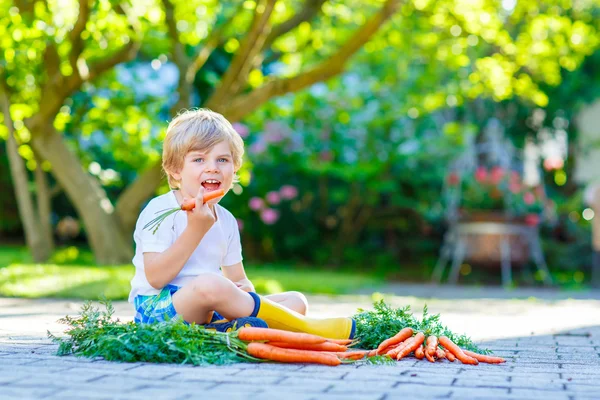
(454, 349)
(187, 205)
(397, 338)
(190, 204)
(277, 335)
(325, 346)
(420, 353)
(483, 358)
(411, 345)
(268, 352)
(431, 347)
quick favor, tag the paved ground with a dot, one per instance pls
(552, 343)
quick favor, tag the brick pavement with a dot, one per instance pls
(563, 364)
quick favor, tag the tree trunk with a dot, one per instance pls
(44, 208)
(109, 244)
(33, 236)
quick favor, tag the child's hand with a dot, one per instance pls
(245, 285)
(201, 217)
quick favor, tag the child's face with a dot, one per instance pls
(212, 169)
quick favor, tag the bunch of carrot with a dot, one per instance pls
(404, 343)
(294, 347)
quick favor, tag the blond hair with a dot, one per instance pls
(198, 129)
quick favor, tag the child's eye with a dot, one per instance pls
(223, 159)
(198, 159)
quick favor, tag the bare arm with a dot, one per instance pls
(237, 274)
(162, 268)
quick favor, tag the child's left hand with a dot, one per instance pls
(245, 285)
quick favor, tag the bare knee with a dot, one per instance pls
(300, 303)
(209, 288)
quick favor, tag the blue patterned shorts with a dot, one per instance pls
(160, 308)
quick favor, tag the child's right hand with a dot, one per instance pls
(201, 217)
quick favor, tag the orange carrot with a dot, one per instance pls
(420, 353)
(187, 205)
(431, 347)
(268, 352)
(454, 349)
(411, 345)
(190, 204)
(397, 338)
(325, 346)
(450, 357)
(440, 354)
(343, 342)
(352, 355)
(372, 353)
(393, 347)
(483, 358)
(277, 335)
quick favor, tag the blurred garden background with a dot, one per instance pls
(357, 116)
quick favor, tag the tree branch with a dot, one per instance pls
(215, 39)
(244, 104)
(179, 57)
(238, 70)
(75, 34)
(308, 12)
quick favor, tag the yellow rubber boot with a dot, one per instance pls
(280, 317)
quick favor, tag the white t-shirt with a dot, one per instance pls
(219, 247)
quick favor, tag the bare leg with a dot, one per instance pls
(295, 301)
(208, 292)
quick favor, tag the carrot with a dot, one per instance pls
(454, 349)
(343, 342)
(411, 345)
(187, 205)
(420, 353)
(431, 347)
(277, 335)
(450, 357)
(483, 358)
(325, 346)
(268, 352)
(352, 355)
(393, 347)
(190, 204)
(372, 353)
(440, 354)
(397, 338)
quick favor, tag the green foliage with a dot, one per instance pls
(95, 334)
(373, 327)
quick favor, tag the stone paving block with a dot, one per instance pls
(478, 393)
(573, 341)
(385, 370)
(320, 376)
(537, 394)
(224, 390)
(18, 392)
(535, 368)
(42, 377)
(537, 382)
(451, 372)
(580, 349)
(483, 381)
(271, 366)
(299, 387)
(574, 387)
(580, 369)
(160, 371)
(378, 386)
(410, 390)
(288, 396)
(59, 361)
(217, 376)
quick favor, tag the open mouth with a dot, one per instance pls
(211, 184)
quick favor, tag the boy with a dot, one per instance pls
(191, 267)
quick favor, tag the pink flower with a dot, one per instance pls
(529, 198)
(288, 192)
(257, 148)
(241, 129)
(514, 187)
(481, 174)
(256, 203)
(269, 216)
(496, 175)
(532, 219)
(240, 224)
(273, 198)
(453, 179)
(515, 177)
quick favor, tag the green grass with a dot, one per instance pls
(71, 274)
